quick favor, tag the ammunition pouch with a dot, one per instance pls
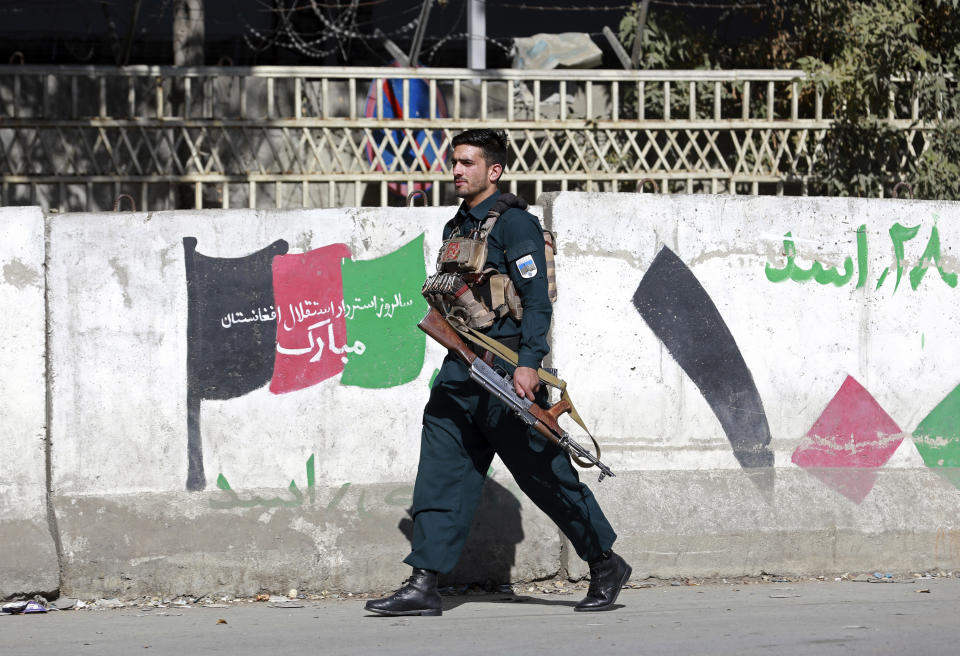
(462, 254)
(550, 249)
(500, 295)
(451, 295)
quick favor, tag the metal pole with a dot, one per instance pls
(130, 34)
(418, 34)
(638, 39)
(392, 48)
(617, 47)
(477, 30)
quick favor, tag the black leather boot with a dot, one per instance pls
(418, 596)
(608, 574)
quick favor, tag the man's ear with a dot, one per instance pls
(494, 172)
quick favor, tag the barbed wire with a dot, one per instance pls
(465, 35)
(523, 5)
(684, 4)
(433, 51)
(340, 29)
(338, 22)
(359, 3)
(356, 33)
(690, 4)
(286, 36)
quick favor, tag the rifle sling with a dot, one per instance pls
(509, 355)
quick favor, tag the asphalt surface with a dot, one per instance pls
(773, 618)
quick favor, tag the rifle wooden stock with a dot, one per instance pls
(437, 327)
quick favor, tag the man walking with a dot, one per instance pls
(464, 426)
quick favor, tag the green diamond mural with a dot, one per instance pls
(937, 438)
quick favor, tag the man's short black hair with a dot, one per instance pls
(493, 143)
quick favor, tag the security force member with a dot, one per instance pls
(464, 425)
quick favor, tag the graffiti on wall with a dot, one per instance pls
(899, 236)
(849, 442)
(226, 361)
(231, 499)
(296, 320)
(854, 437)
(296, 496)
(937, 438)
(682, 315)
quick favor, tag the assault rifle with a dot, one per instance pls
(501, 386)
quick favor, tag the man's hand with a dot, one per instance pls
(526, 382)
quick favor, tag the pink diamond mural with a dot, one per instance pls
(850, 441)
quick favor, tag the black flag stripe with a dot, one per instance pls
(230, 347)
(683, 316)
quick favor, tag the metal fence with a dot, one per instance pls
(76, 138)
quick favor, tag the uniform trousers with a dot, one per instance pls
(463, 426)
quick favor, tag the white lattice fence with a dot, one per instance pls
(75, 138)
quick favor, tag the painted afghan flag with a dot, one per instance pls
(297, 320)
(385, 305)
(311, 325)
(337, 315)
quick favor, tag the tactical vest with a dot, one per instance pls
(466, 287)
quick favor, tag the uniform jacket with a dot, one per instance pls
(516, 235)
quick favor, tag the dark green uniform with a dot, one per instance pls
(463, 425)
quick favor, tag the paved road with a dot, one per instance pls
(776, 618)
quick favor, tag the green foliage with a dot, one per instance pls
(938, 170)
(870, 60)
(860, 157)
(667, 42)
(880, 57)
(670, 44)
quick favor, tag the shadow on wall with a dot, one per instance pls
(490, 552)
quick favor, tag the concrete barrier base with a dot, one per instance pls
(722, 523)
(347, 538)
(28, 565)
(354, 537)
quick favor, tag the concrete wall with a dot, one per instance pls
(774, 360)
(29, 561)
(120, 350)
(220, 420)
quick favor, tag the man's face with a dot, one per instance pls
(473, 179)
